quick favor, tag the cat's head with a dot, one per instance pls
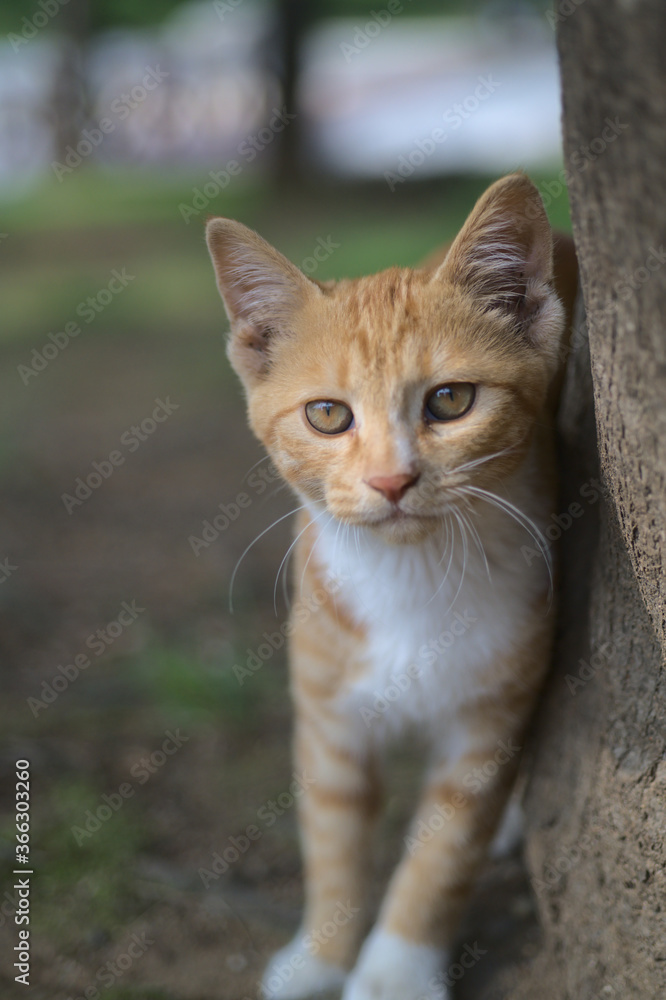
(381, 396)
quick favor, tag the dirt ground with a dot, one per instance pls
(125, 902)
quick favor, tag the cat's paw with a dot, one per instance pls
(294, 973)
(390, 968)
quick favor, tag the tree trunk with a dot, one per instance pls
(294, 18)
(69, 98)
(597, 797)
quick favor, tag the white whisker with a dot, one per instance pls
(446, 543)
(285, 591)
(449, 533)
(254, 542)
(253, 467)
(466, 466)
(463, 537)
(475, 535)
(278, 489)
(285, 559)
(523, 520)
(312, 548)
(358, 546)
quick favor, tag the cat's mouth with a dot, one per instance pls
(398, 514)
(395, 515)
(398, 518)
(403, 527)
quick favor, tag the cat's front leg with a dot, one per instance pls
(406, 955)
(336, 813)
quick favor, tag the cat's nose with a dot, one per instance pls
(392, 487)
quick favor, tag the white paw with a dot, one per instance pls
(294, 973)
(390, 968)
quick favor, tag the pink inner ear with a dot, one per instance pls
(248, 284)
(255, 338)
(248, 350)
(259, 286)
(499, 259)
(262, 292)
(505, 244)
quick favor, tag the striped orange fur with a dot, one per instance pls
(412, 414)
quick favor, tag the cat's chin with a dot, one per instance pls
(405, 529)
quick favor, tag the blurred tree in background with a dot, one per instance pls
(78, 22)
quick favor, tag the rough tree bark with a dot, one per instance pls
(597, 797)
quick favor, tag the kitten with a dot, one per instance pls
(412, 414)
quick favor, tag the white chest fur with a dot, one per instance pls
(436, 615)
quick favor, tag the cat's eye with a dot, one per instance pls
(450, 401)
(328, 416)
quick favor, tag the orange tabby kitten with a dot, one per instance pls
(412, 414)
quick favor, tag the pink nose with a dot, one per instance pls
(392, 487)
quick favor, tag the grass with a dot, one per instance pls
(86, 858)
(141, 694)
(98, 196)
(187, 691)
(82, 884)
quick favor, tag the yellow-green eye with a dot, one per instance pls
(450, 401)
(329, 417)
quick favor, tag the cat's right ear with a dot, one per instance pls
(261, 290)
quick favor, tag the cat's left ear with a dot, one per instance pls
(261, 290)
(503, 255)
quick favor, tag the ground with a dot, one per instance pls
(147, 752)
